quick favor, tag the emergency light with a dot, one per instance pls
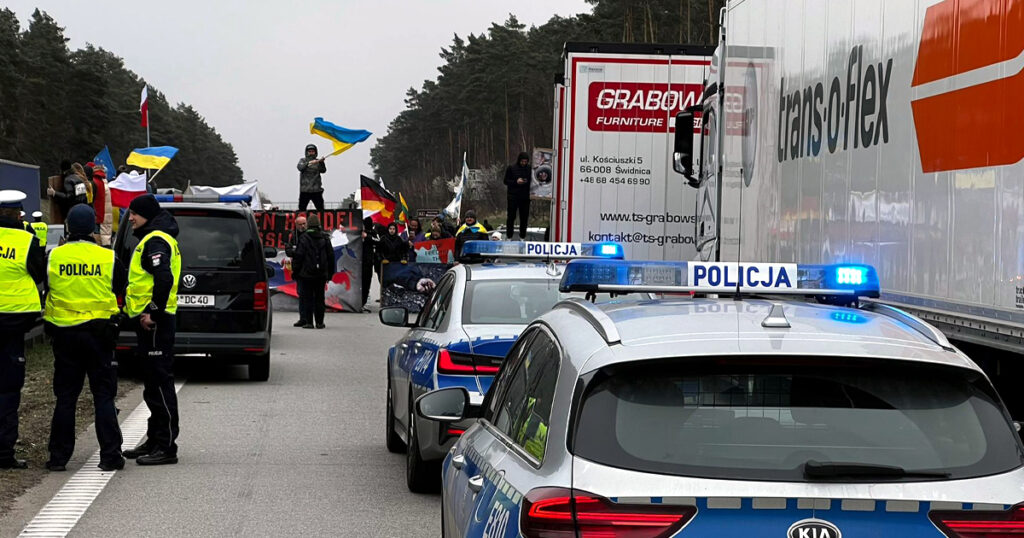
(843, 281)
(204, 198)
(473, 250)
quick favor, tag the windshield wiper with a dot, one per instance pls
(831, 469)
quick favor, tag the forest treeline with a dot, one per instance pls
(494, 95)
(58, 104)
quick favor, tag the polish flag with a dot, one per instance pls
(144, 107)
(126, 187)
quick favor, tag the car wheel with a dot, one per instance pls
(421, 476)
(259, 368)
(393, 440)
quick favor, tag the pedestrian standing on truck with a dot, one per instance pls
(517, 183)
(311, 188)
(22, 267)
(151, 302)
(289, 250)
(313, 266)
(82, 317)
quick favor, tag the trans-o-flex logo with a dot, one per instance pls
(847, 112)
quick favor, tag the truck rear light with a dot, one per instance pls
(259, 296)
(447, 365)
(558, 512)
(980, 523)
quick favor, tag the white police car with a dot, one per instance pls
(745, 414)
(461, 336)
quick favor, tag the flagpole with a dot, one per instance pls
(148, 144)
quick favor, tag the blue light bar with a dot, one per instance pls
(473, 250)
(842, 281)
(204, 198)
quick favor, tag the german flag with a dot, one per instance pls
(377, 203)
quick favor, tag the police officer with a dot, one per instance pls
(22, 265)
(151, 300)
(39, 227)
(80, 303)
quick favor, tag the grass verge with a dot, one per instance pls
(37, 401)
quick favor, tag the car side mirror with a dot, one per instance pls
(682, 155)
(443, 405)
(269, 252)
(395, 316)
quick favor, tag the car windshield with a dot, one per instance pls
(509, 302)
(213, 240)
(787, 419)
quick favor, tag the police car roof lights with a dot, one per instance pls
(204, 198)
(843, 281)
(540, 250)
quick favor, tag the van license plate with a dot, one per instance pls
(196, 301)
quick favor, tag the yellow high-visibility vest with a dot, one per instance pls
(140, 283)
(80, 276)
(40, 229)
(18, 291)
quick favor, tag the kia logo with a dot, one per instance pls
(813, 528)
(189, 281)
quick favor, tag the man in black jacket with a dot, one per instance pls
(517, 182)
(313, 266)
(289, 250)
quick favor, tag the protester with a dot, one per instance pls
(517, 182)
(151, 302)
(314, 264)
(311, 188)
(102, 206)
(79, 171)
(23, 268)
(379, 231)
(289, 250)
(469, 231)
(437, 230)
(496, 236)
(370, 240)
(72, 192)
(415, 232)
(393, 248)
(81, 318)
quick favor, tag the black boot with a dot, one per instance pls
(108, 466)
(13, 464)
(157, 457)
(140, 450)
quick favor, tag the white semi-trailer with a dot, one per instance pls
(615, 107)
(876, 131)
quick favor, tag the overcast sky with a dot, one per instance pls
(261, 70)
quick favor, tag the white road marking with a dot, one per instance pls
(62, 513)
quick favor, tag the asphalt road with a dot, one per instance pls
(302, 454)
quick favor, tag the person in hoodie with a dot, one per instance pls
(311, 188)
(73, 192)
(517, 183)
(370, 240)
(313, 265)
(151, 301)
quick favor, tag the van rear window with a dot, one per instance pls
(214, 240)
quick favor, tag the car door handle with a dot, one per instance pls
(476, 484)
(458, 461)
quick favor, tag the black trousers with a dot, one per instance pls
(522, 206)
(316, 197)
(156, 355)
(12, 378)
(79, 352)
(367, 281)
(311, 310)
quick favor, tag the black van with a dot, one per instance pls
(224, 309)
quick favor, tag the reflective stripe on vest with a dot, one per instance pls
(80, 277)
(40, 229)
(140, 283)
(18, 292)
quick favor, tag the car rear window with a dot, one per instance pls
(509, 302)
(748, 419)
(211, 239)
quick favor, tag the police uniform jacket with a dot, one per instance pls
(35, 265)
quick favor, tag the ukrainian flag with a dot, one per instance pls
(152, 158)
(341, 137)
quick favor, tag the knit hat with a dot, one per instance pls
(470, 214)
(145, 206)
(81, 220)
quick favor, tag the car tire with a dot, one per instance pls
(421, 476)
(259, 368)
(393, 440)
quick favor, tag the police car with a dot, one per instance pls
(737, 412)
(460, 338)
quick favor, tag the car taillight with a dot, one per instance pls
(558, 512)
(980, 523)
(446, 364)
(259, 296)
